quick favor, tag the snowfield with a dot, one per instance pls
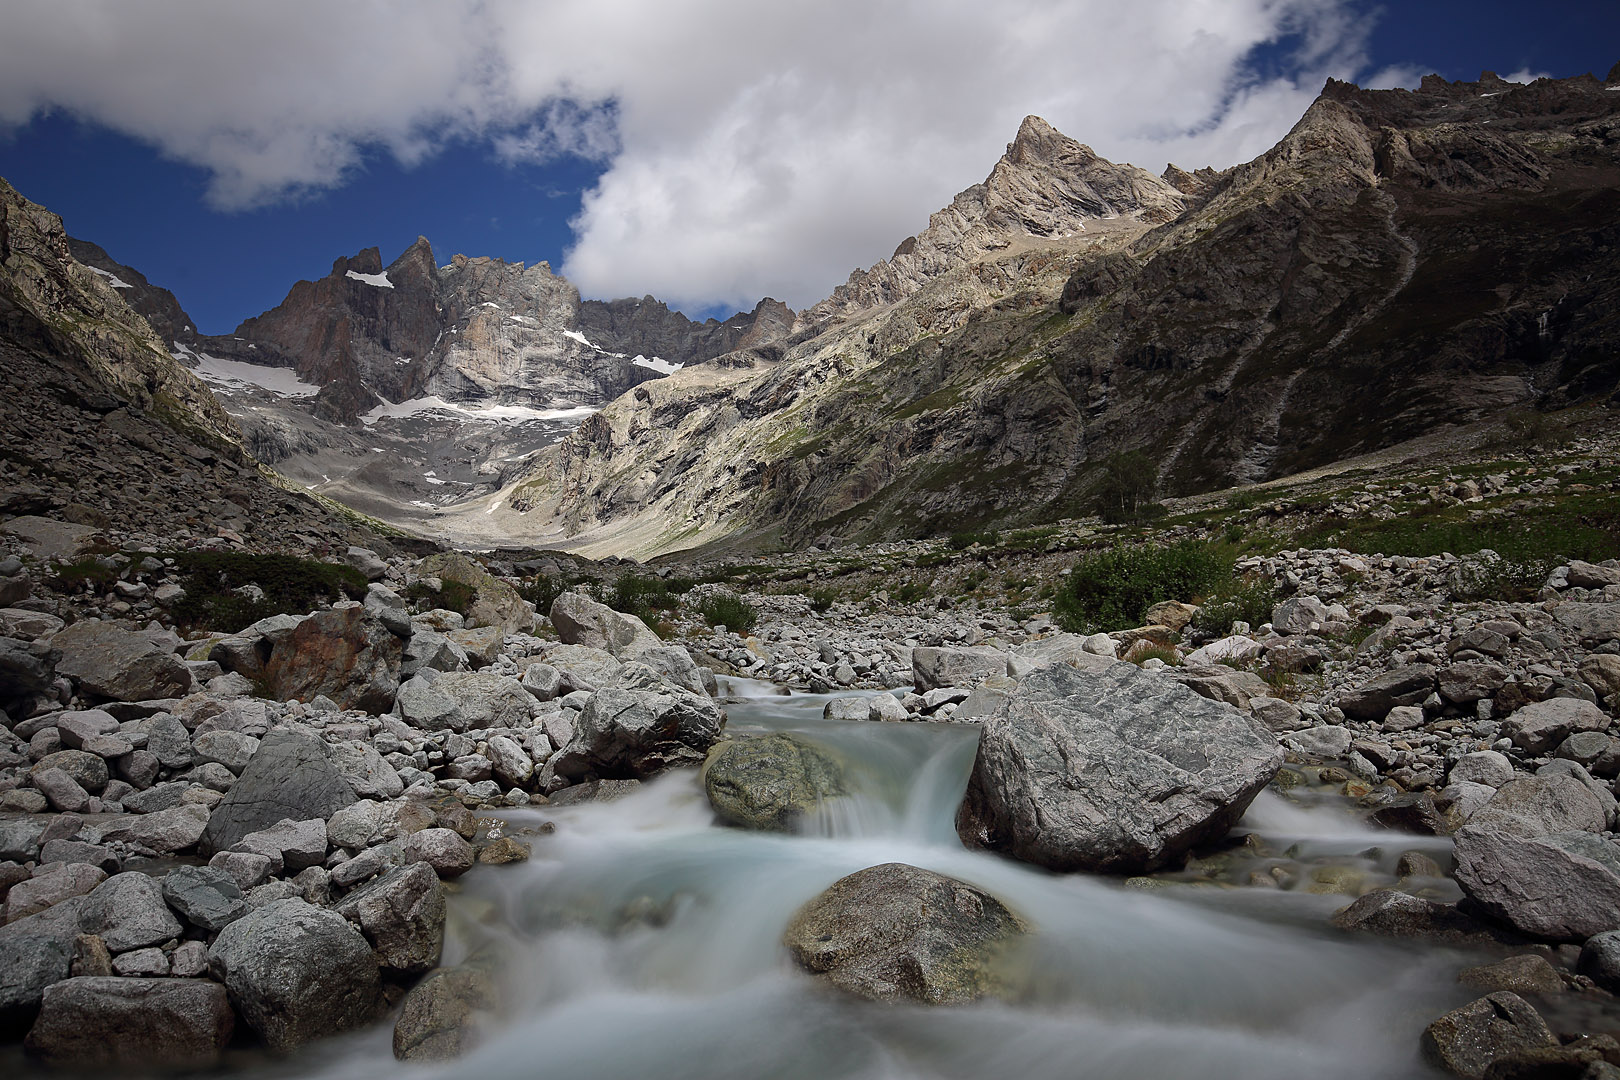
(232, 376)
(379, 280)
(493, 413)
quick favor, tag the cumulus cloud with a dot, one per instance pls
(748, 149)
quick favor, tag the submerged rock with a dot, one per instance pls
(895, 931)
(771, 781)
(1119, 771)
(438, 1020)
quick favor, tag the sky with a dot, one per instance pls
(709, 152)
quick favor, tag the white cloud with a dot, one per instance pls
(750, 149)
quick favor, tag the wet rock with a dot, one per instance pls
(1120, 771)
(207, 898)
(1525, 974)
(894, 932)
(113, 663)
(442, 849)
(439, 1018)
(634, 734)
(1558, 887)
(935, 667)
(769, 782)
(1600, 960)
(291, 776)
(132, 1023)
(503, 850)
(297, 973)
(77, 851)
(342, 654)
(1540, 726)
(402, 915)
(1413, 812)
(1466, 1041)
(127, 912)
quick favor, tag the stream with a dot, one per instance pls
(643, 940)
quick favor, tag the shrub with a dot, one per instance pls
(1167, 653)
(280, 585)
(960, 541)
(1126, 492)
(822, 600)
(909, 592)
(543, 591)
(1249, 601)
(1111, 590)
(66, 577)
(456, 596)
(730, 611)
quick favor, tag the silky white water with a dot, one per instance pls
(642, 940)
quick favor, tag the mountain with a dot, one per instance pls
(99, 424)
(1401, 260)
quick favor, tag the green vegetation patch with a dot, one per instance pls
(1112, 590)
(732, 612)
(228, 590)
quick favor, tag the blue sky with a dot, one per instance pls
(709, 158)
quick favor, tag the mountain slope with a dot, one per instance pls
(1400, 260)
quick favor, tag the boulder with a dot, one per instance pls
(486, 700)
(1299, 615)
(1390, 913)
(1482, 767)
(894, 932)
(494, 602)
(127, 912)
(342, 654)
(1558, 887)
(34, 953)
(1585, 575)
(110, 662)
(1542, 804)
(368, 774)
(480, 644)
(770, 782)
(77, 726)
(439, 1018)
(1601, 671)
(248, 651)
(1540, 726)
(401, 912)
(207, 898)
(47, 538)
(511, 764)
(1526, 973)
(429, 649)
(421, 705)
(676, 666)
(1220, 683)
(582, 621)
(1592, 623)
(50, 888)
(633, 734)
(1121, 771)
(1466, 1041)
(933, 667)
(89, 771)
(1236, 649)
(368, 562)
(445, 850)
(297, 973)
(1407, 685)
(291, 776)
(1600, 960)
(136, 1024)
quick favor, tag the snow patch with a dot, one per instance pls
(657, 363)
(235, 375)
(112, 279)
(492, 413)
(579, 337)
(379, 280)
(430, 478)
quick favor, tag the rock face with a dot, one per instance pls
(894, 931)
(898, 393)
(342, 654)
(770, 782)
(112, 662)
(1120, 771)
(633, 734)
(291, 776)
(132, 1023)
(296, 973)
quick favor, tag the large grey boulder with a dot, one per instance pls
(127, 912)
(770, 782)
(344, 654)
(291, 776)
(296, 973)
(34, 953)
(494, 602)
(1542, 725)
(367, 773)
(933, 667)
(894, 931)
(1558, 887)
(208, 898)
(675, 664)
(486, 700)
(401, 912)
(633, 734)
(1594, 623)
(1407, 685)
(582, 621)
(1120, 771)
(439, 1020)
(132, 1023)
(111, 662)
(1542, 804)
(421, 705)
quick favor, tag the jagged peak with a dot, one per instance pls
(1039, 143)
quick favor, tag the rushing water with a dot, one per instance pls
(643, 941)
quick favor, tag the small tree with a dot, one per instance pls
(1129, 481)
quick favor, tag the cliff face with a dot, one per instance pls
(1400, 260)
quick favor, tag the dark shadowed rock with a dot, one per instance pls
(132, 1023)
(291, 776)
(34, 953)
(771, 781)
(1120, 771)
(296, 973)
(1465, 1041)
(438, 1020)
(1559, 887)
(895, 931)
(402, 915)
(1407, 685)
(208, 898)
(1392, 913)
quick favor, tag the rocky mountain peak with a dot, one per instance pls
(368, 261)
(1039, 143)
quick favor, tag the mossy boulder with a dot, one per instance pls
(770, 782)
